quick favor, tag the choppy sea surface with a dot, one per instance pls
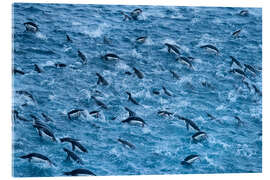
(231, 146)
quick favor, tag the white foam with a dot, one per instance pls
(169, 41)
(184, 48)
(217, 21)
(232, 96)
(115, 152)
(52, 97)
(149, 41)
(220, 107)
(76, 23)
(146, 130)
(41, 36)
(66, 48)
(134, 53)
(97, 32)
(122, 65)
(48, 63)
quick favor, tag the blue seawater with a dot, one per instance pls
(161, 145)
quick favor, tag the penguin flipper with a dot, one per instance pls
(68, 157)
(39, 133)
(99, 81)
(73, 147)
(187, 125)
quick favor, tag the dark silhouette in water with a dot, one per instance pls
(125, 143)
(101, 80)
(37, 69)
(73, 156)
(68, 38)
(172, 49)
(75, 112)
(134, 120)
(210, 47)
(82, 56)
(235, 61)
(131, 113)
(190, 159)
(77, 172)
(110, 57)
(37, 156)
(188, 122)
(138, 73)
(130, 98)
(74, 143)
(41, 128)
(99, 103)
(30, 26)
(16, 71)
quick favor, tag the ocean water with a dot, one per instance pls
(164, 141)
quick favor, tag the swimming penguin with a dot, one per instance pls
(175, 75)
(38, 156)
(16, 71)
(206, 84)
(22, 92)
(138, 73)
(101, 80)
(60, 65)
(94, 113)
(250, 68)
(185, 60)
(190, 159)
(82, 56)
(37, 69)
(238, 72)
(99, 103)
(235, 61)
(135, 13)
(236, 33)
(134, 120)
(74, 143)
(156, 91)
(164, 113)
(128, 73)
(77, 172)
(73, 156)
(30, 26)
(130, 98)
(239, 121)
(41, 128)
(46, 117)
(110, 57)
(74, 113)
(68, 38)
(210, 48)
(210, 116)
(247, 85)
(141, 39)
(199, 136)
(130, 112)
(172, 49)
(126, 17)
(188, 122)
(166, 91)
(257, 90)
(243, 13)
(17, 116)
(37, 121)
(126, 144)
